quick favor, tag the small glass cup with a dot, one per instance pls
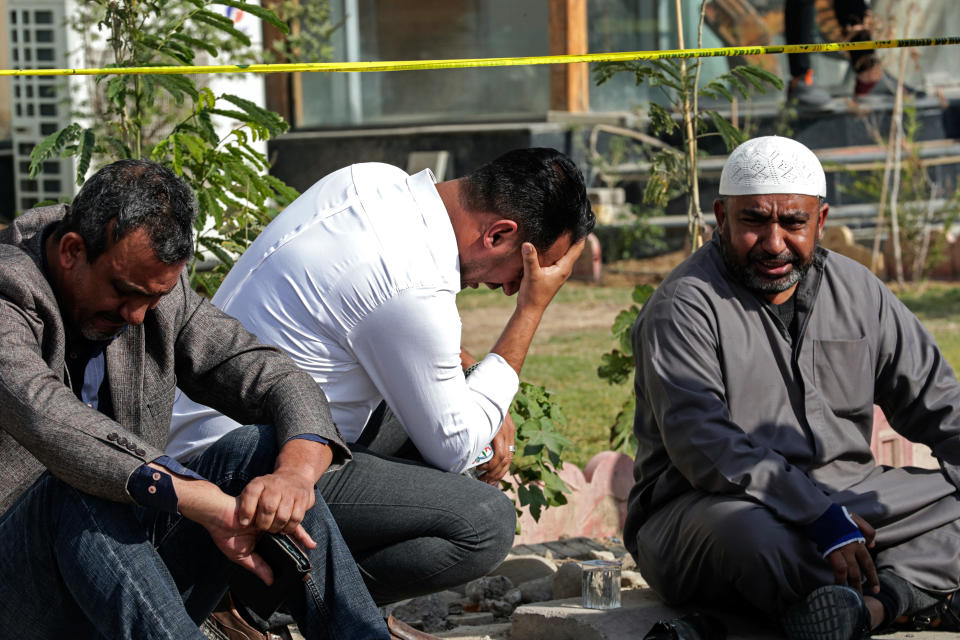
(600, 584)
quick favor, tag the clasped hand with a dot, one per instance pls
(276, 502)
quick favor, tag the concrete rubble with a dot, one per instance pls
(498, 608)
(556, 618)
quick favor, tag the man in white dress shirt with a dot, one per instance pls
(357, 281)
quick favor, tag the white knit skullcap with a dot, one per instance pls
(771, 164)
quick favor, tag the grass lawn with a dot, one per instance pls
(564, 355)
(938, 307)
(575, 332)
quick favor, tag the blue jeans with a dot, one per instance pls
(74, 565)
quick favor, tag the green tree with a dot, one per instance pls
(169, 117)
(674, 170)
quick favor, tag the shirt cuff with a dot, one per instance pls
(495, 379)
(312, 437)
(834, 529)
(153, 488)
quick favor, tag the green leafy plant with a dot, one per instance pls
(310, 31)
(922, 205)
(616, 367)
(540, 447)
(169, 118)
(674, 169)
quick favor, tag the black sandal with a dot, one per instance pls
(943, 616)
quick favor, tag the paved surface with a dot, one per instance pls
(640, 610)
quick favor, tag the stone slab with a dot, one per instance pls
(641, 609)
(523, 568)
(476, 619)
(497, 631)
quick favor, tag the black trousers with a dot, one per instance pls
(800, 27)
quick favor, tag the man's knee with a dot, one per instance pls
(502, 519)
(722, 544)
(494, 519)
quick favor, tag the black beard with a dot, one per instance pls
(749, 278)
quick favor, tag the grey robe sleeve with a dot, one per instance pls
(915, 386)
(222, 365)
(679, 355)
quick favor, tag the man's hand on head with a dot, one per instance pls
(537, 288)
(498, 466)
(540, 284)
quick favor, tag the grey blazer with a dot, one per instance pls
(184, 341)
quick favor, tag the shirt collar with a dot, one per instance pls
(436, 220)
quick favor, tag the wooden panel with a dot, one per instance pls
(569, 83)
(277, 85)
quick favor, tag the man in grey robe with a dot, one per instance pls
(758, 362)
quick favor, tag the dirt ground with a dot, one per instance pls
(482, 325)
(647, 271)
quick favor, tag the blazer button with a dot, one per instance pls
(122, 441)
(141, 452)
(132, 446)
(112, 437)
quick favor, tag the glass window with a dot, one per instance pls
(431, 29)
(44, 17)
(28, 185)
(48, 110)
(47, 91)
(45, 54)
(44, 35)
(46, 128)
(51, 168)
(51, 186)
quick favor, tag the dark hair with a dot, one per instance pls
(542, 190)
(136, 194)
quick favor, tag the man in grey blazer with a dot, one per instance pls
(100, 533)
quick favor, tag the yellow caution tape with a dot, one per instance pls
(419, 65)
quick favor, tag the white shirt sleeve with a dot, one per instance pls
(410, 348)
